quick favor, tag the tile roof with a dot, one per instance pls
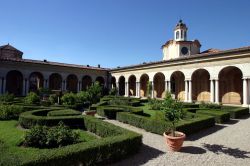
(45, 62)
(201, 55)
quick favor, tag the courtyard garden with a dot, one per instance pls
(46, 128)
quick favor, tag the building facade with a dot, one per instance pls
(19, 76)
(190, 75)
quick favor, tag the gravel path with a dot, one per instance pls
(227, 144)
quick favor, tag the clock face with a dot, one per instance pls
(184, 50)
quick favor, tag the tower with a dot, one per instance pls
(180, 32)
(180, 46)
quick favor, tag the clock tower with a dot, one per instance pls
(180, 46)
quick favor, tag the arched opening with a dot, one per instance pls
(159, 85)
(230, 85)
(113, 82)
(143, 85)
(122, 86)
(14, 82)
(35, 81)
(86, 82)
(72, 82)
(100, 80)
(55, 81)
(178, 85)
(132, 85)
(201, 85)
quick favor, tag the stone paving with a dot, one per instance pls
(227, 144)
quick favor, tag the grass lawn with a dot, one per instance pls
(11, 136)
(147, 110)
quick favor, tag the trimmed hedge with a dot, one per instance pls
(111, 111)
(188, 126)
(117, 143)
(236, 112)
(219, 115)
(39, 117)
(66, 112)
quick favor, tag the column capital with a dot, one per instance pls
(188, 79)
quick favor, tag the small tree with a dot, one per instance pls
(173, 111)
(149, 89)
(95, 92)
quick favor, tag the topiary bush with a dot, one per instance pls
(53, 98)
(69, 99)
(8, 112)
(6, 98)
(45, 137)
(155, 104)
(32, 98)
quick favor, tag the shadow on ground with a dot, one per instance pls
(145, 154)
(192, 150)
(205, 132)
(234, 152)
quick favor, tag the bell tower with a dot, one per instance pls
(180, 46)
(180, 32)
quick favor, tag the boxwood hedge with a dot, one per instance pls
(39, 117)
(219, 115)
(187, 126)
(110, 111)
(116, 143)
(236, 112)
(66, 112)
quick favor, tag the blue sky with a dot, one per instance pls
(118, 32)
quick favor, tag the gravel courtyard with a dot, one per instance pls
(227, 144)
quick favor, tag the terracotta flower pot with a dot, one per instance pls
(92, 113)
(174, 143)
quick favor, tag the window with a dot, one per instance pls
(182, 34)
(185, 35)
(177, 35)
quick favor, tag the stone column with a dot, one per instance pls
(24, 87)
(27, 86)
(44, 83)
(1, 85)
(166, 86)
(4, 85)
(64, 88)
(152, 92)
(190, 91)
(217, 91)
(138, 89)
(117, 88)
(169, 87)
(211, 91)
(244, 92)
(126, 89)
(186, 91)
(80, 85)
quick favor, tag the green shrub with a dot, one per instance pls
(82, 97)
(32, 98)
(6, 98)
(53, 98)
(159, 116)
(8, 112)
(95, 93)
(69, 99)
(45, 137)
(155, 104)
(67, 112)
(45, 103)
(113, 92)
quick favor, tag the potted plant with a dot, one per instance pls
(173, 113)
